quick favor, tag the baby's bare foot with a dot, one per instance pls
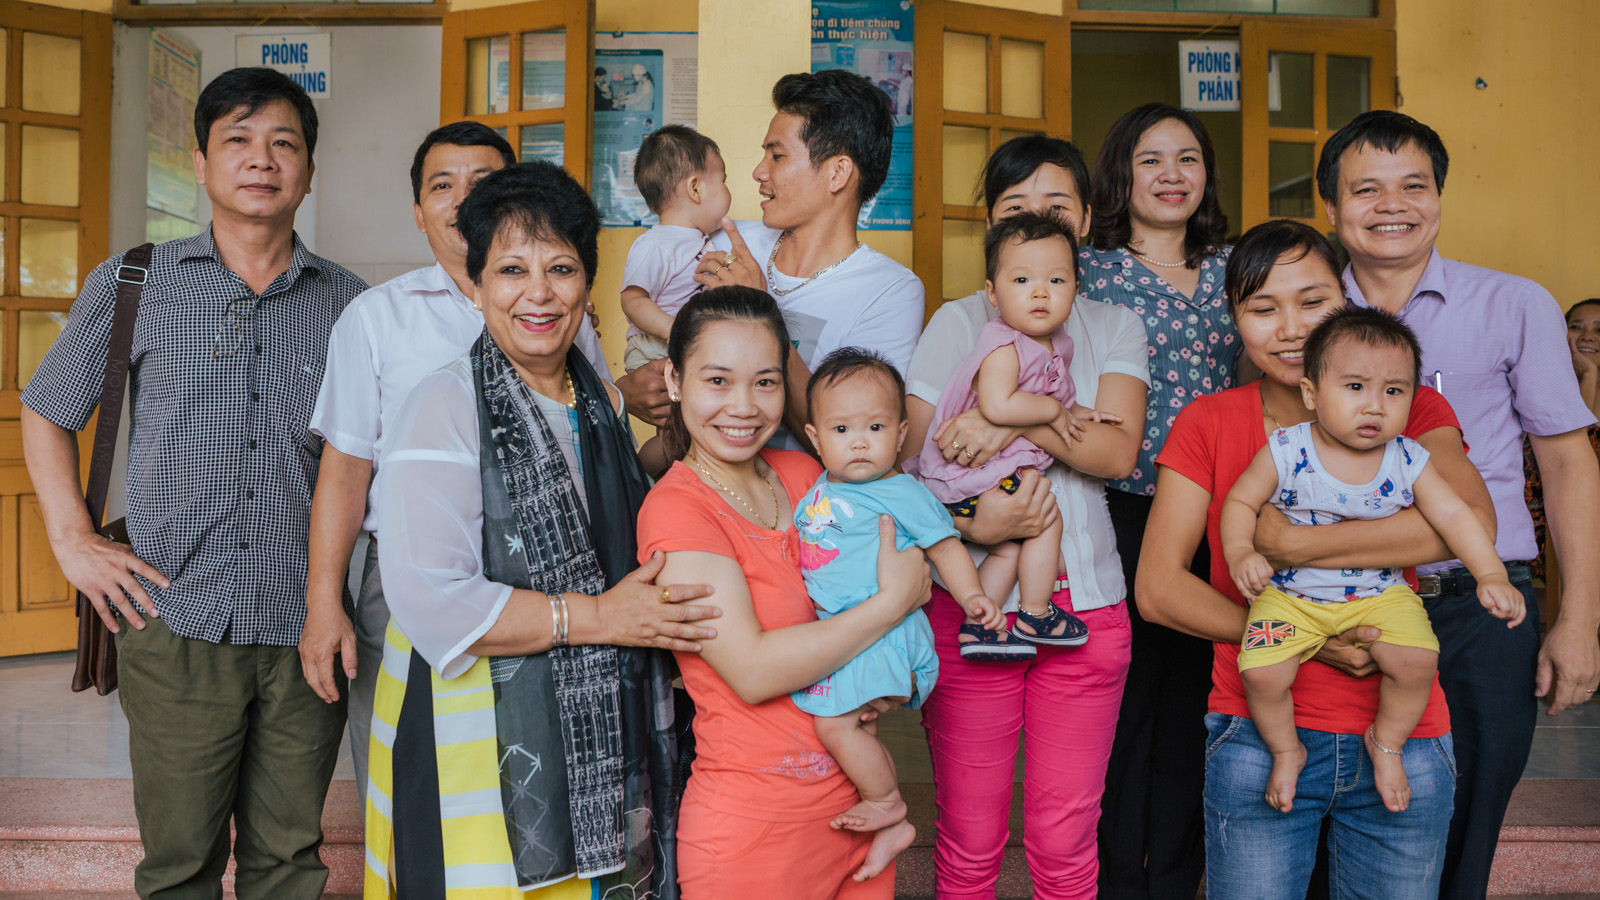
(871, 815)
(1285, 777)
(1389, 774)
(886, 845)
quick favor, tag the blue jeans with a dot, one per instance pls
(1254, 852)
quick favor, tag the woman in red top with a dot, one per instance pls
(1282, 279)
(755, 816)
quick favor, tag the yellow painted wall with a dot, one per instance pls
(1521, 196)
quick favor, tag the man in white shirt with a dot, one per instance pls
(386, 340)
(826, 154)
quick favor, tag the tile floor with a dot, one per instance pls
(46, 731)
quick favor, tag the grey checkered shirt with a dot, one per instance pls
(220, 462)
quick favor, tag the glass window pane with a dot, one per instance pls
(1290, 181)
(50, 73)
(1233, 6)
(963, 257)
(966, 72)
(544, 68)
(546, 142)
(1022, 79)
(1355, 8)
(39, 330)
(1290, 105)
(1349, 89)
(965, 150)
(49, 258)
(1007, 134)
(489, 75)
(49, 165)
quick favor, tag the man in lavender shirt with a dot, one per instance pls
(1495, 345)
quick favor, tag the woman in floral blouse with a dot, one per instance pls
(1156, 248)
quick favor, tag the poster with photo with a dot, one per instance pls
(873, 38)
(642, 80)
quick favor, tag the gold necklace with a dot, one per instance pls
(571, 392)
(777, 510)
(1275, 423)
(1155, 262)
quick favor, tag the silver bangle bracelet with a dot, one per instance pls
(558, 620)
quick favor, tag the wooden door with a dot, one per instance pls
(1325, 76)
(994, 74)
(546, 48)
(55, 133)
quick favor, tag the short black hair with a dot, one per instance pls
(666, 157)
(1112, 225)
(1361, 325)
(457, 134)
(1592, 301)
(599, 70)
(846, 114)
(847, 361)
(250, 88)
(1024, 227)
(1252, 259)
(537, 198)
(1383, 129)
(1015, 161)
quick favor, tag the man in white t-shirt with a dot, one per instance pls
(826, 153)
(386, 340)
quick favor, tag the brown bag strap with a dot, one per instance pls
(131, 276)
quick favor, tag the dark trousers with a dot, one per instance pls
(220, 733)
(1152, 836)
(1487, 672)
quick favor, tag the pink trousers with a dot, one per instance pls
(1067, 700)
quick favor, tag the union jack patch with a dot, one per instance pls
(1267, 633)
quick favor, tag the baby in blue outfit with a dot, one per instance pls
(858, 423)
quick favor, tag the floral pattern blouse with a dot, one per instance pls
(1194, 349)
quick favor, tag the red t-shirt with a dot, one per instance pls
(764, 761)
(1212, 443)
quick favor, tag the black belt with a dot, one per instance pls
(1460, 581)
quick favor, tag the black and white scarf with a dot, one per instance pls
(586, 746)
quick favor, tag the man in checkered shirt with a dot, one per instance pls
(227, 358)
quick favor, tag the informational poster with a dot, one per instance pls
(642, 80)
(172, 195)
(873, 38)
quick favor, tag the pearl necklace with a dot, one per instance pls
(772, 258)
(1156, 263)
(777, 510)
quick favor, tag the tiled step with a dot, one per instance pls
(79, 835)
(64, 838)
(1550, 842)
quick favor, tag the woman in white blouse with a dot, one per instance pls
(1065, 698)
(510, 491)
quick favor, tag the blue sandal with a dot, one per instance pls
(994, 646)
(1075, 634)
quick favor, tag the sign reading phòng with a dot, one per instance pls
(306, 58)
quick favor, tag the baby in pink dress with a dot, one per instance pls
(1016, 376)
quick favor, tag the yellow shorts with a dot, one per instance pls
(1282, 626)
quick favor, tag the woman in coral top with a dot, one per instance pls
(1282, 279)
(755, 815)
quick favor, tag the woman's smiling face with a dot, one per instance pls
(731, 389)
(1583, 330)
(1273, 322)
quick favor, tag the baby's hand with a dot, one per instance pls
(1078, 417)
(1502, 600)
(1251, 573)
(984, 611)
